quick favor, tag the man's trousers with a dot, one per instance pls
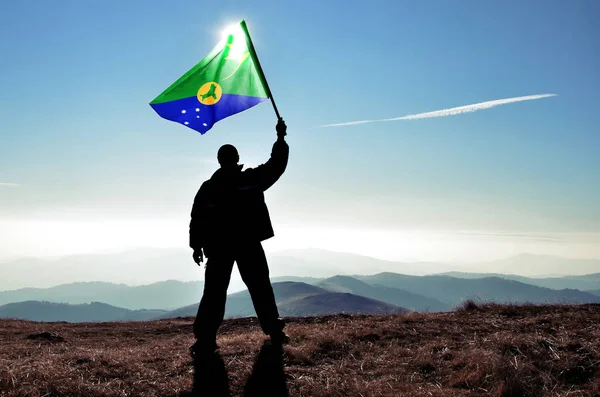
(253, 268)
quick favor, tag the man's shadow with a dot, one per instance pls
(266, 380)
(268, 376)
(210, 378)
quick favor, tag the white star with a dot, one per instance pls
(183, 111)
(197, 109)
(186, 123)
(197, 117)
(204, 124)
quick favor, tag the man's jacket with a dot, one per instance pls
(230, 206)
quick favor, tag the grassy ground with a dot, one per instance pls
(487, 350)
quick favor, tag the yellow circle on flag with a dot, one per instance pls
(210, 93)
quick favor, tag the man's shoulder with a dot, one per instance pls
(205, 186)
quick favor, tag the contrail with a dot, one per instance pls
(450, 112)
(9, 184)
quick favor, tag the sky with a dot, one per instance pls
(87, 166)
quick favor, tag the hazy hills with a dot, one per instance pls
(162, 295)
(318, 263)
(396, 296)
(87, 312)
(376, 294)
(453, 290)
(581, 282)
(337, 302)
(403, 290)
(294, 299)
(540, 266)
(298, 299)
(133, 267)
(322, 264)
(147, 266)
(312, 290)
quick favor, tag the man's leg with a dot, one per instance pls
(212, 306)
(254, 270)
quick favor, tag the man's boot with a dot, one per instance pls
(202, 349)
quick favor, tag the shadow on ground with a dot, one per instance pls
(266, 380)
(268, 377)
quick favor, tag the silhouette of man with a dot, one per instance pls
(228, 222)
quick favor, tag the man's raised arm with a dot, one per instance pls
(268, 173)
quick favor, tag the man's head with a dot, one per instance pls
(228, 156)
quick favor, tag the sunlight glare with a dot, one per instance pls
(236, 38)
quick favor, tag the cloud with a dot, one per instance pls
(529, 236)
(9, 184)
(449, 112)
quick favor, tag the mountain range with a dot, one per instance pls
(293, 299)
(323, 282)
(530, 265)
(375, 294)
(151, 265)
(396, 296)
(167, 295)
(299, 299)
(454, 290)
(87, 312)
(580, 282)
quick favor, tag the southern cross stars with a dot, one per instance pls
(189, 122)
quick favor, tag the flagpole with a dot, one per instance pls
(260, 70)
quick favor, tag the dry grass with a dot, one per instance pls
(480, 349)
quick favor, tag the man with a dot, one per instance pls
(229, 221)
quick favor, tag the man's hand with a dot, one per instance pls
(198, 257)
(281, 129)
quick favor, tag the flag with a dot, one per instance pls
(227, 81)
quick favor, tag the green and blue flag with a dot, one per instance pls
(227, 81)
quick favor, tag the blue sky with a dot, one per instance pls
(80, 144)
